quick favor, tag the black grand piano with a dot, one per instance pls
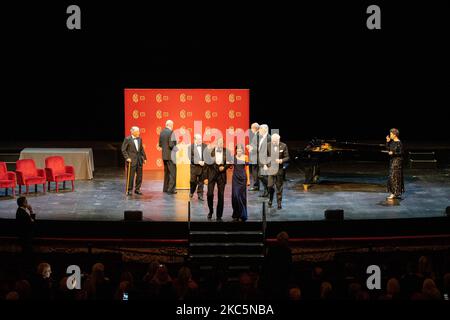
(319, 151)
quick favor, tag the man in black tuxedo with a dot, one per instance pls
(253, 155)
(198, 167)
(263, 146)
(216, 159)
(279, 155)
(134, 153)
(167, 143)
(25, 224)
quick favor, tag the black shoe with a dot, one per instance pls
(219, 220)
(279, 206)
(200, 198)
(253, 189)
(235, 219)
(138, 192)
(172, 192)
(129, 193)
(209, 216)
(270, 204)
(190, 195)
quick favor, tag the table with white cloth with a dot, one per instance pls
(82, 159)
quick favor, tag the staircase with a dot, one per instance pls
(236, 246)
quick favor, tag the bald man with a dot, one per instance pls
(167, 143)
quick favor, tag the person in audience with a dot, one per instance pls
(425, 267)
(151, 271)
(23, 288)
(161, 286)
(392, 290)
(430, 291)
(247, 288)
(278, 267)
(410, 282)
(185, 287)
(12, 296)
(63, 292)
(295, 294)
(42, 284)
(326, 290)
(353, 290)
(98, 286)
(312, 290)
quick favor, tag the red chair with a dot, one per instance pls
(7, 179)
(57, 171)
(28, 174)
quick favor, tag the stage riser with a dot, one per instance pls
(179, 230)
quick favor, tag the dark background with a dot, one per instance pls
(313, 68)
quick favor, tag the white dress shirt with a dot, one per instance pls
(136, 143)
(262, 140)
(200, 153)
(219, 157)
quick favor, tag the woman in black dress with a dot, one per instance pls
(239, 186)
(395, 185)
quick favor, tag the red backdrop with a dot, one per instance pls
(149, 109)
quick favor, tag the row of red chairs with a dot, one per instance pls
(27, 174)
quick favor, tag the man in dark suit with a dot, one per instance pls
(263, 146)
(25, 224)
(167, 143)
(253, 155)
(198, 167)
(216, 159)
(134, 153)
(279, 155)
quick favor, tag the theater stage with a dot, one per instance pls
(358, 188)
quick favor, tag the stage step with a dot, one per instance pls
(228, 244)
(225, 226)
(226, 248)
(226, 236)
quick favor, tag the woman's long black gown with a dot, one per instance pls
(239, 190)
(395, 184)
